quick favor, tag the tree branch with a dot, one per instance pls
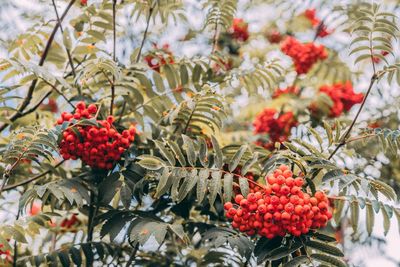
(343, 141)
(145, 34)
(114, 57)
(36, 177)
(71, 63)
(29, 95)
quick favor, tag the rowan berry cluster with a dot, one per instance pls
(276, 125)
(293, 90)
(281, 208)
(159, 57)
(239, 30)
(84, 2)
(304, 55)
(70, 223)
(311, 15)
(98, 147)
(343, 98)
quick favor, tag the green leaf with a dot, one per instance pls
(215, 186)
(228, 186)
(218, 153)
(355, 213)
(164, 183)
(188, 184)
(188, 146)
(297, 261)
(235, 160)
(244, 186)
(178, 153)
(280, 252)
(202, 184)
(370, 216)
(151, 162)
(328, 259)
(329, 249)
(165, 152)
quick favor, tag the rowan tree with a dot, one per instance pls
(274, 143)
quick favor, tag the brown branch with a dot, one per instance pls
(343, 141)
(71, 63)
(34, 178)
(145, 33)
(29, 95)
(114, 57)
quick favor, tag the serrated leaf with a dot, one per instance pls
(329, 249)
(244, 186)
(165, 152)
(202, 184)
(297, 261)
(188, 146)
(328, 259)
(228, 186)
(218, 153)
(150, 162)
(215, 186)
(235, 160)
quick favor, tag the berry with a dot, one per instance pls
(270, 212)
(98, 147)
(239, 30)
(342, 96)
(276, 125)
(304, 55)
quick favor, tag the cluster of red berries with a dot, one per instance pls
(5, 254)
(276, 125)
(84, 2)
(239, 30)
(311, 15)
(71, 222)
(304, 55)
(343, 97)
(292, 90)
(159, 57)
(281, 208)
(98, 147)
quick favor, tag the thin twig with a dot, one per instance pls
(31, 88)
(114, 57)
(132, 256)
(71, 63)
(15, 257)
(343, 141)
(215, 38)
(36, 177)
(145, 33)
(60, 93)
